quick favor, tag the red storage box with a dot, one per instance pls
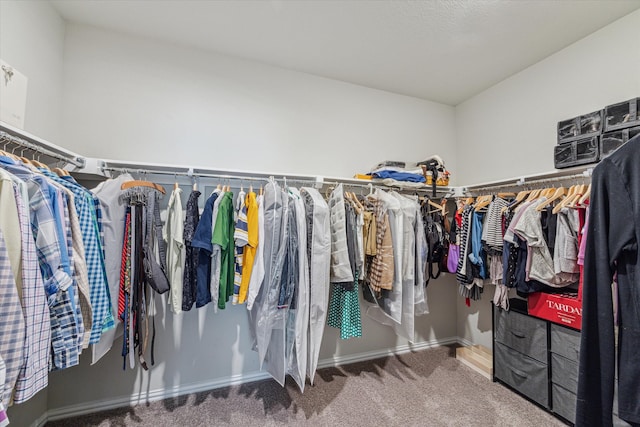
(563, 309)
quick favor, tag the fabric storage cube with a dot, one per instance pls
(565, 342)
(522, 333)
(564, 155)
(622, 115)
(524, 374)
(575, 153)
(568, 130)
(611, 141)
(564, 403)
(564, 372)
(587, 150)
(580, 127)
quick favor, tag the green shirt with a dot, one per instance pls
(223, 237)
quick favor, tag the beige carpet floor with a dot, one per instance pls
(426, 388)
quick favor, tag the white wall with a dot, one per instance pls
(32, 41)
(510, 129)
(134, 99)
(131, 98)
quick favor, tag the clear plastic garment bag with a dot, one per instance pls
(317, 211)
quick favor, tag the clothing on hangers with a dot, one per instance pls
(173, 233)
(190, 281)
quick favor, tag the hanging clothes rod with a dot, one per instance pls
(38, 146)
(318, 182)
(192, 174)
(530, 183)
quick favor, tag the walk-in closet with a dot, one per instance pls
(319, 212)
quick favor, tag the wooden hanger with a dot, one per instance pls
(10, 155)
(548, 192)
(60, 172)
(566, 200)
(506, 195)
(581, 193)
(520, 197)
(148, 184)
(354, 197)
(575, 192)
(482, 202)
(433, 204)
(534, 195)
(26, 161)
(586, 196)
(559, 193)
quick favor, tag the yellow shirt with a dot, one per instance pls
(250, 247)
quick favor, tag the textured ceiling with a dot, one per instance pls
(445, 51)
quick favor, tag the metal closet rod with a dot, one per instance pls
(202, 175)
(281, 178)
(14, 136)
(586, 175)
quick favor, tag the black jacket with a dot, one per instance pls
(612, 246)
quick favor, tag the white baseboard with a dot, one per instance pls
(464, 342)
(180, 390)
(42, 420)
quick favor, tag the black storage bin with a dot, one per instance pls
(587, 150)
(622, 115)
(580, 127)
(564, 155)
(611, 141)
(580, 152)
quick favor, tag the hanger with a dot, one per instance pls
(547, 192)
(573, 201)
(585, 196)
(506, 195)
(350, 198)
(7, 154)
(482, 202)
(559, 193)
(357, 203)
(567, 199)
(148, 184)
(520, 197)
(433, 204)
(534, 194)
(60, 172)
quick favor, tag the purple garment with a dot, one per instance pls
(583, 242)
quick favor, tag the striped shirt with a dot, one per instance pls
(241, 237)
(492, 230)
(12, 327)
(382, 266)
(33, 375)
(461, 271)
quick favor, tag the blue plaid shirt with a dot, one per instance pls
(102, 313)
(45, 219)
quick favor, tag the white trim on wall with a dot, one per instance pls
(180, 390)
